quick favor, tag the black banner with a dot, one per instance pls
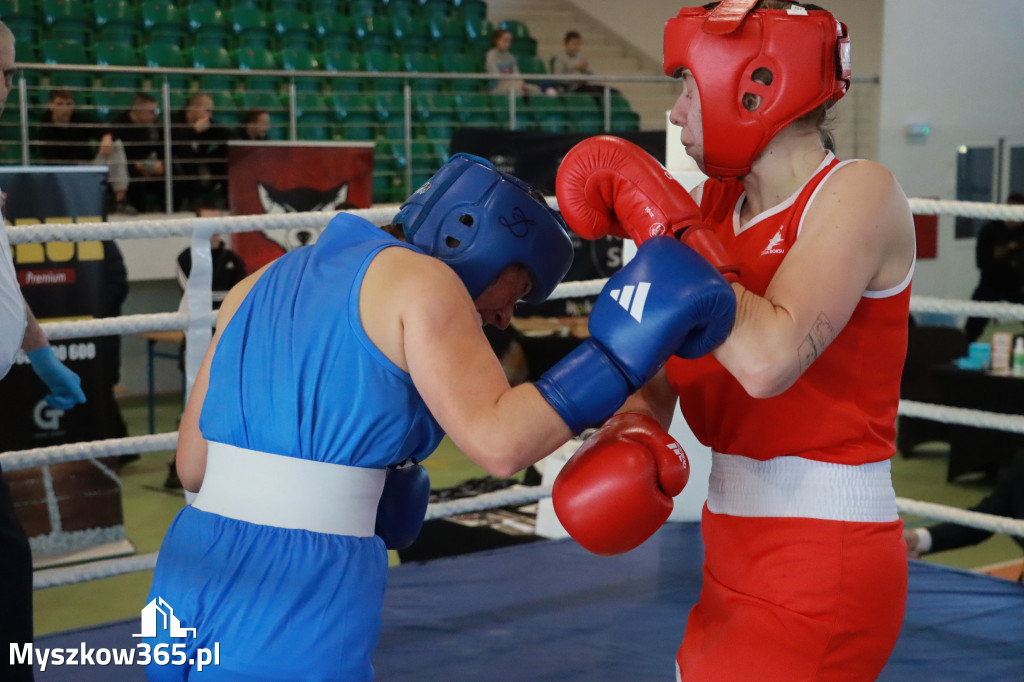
(64, 281)
(534, 157)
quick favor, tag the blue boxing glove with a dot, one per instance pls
(65, 386)
(668, 300)
(402, 506)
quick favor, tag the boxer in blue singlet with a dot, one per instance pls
(334, 365)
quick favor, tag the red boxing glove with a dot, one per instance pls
(617, 490)
(607, 185)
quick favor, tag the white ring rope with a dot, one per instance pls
(202, 318)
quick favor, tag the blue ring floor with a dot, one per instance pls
(550, 610)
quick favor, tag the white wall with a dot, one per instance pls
(958, 66)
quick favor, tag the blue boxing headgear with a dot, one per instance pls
(479, 221)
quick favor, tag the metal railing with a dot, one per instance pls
(409, 115)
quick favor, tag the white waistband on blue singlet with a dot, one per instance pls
(287, 492)
(798, 487)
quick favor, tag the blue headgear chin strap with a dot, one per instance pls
(479, 220)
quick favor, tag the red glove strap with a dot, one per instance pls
(703, 241)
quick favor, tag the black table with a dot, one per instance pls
(973, 449)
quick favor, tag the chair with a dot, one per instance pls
(447, 29)
(427, 156)
(372, 32)
(313, 117)
(460, 62)
(354, 114)
(68, 19)
(389, 113)
(301, 59)
(623, 118)
(547, 114)
(116, 89)
(213, 57)
(478, 33)
(167, 56)
(253, 58)
(293, 28)
(209, 25)
(225, 107)
(114, 16)
(423, 62)
(19, 9)
(335, 30)
(342, 60)
(585, 114)
(163, 22)
(251, 27)
(378, 61)
(926, 347)
(410, 32)
(474, 109)
(434, 114)
(471, 10)
(57, 51)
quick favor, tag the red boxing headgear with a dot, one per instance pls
(786, 62)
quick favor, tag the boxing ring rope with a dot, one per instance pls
(198, 318)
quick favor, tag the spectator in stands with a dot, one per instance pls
(255, 126)
(501, 60)
(199, 151)
(70, 137)
(571, 62)
(144, 148)
(1000, 258)
(1006, 500)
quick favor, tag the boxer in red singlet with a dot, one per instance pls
(805, 568)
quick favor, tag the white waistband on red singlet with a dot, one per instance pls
(798, 487)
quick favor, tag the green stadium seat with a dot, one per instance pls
(354, 114)
(478, 33)
(209, 25)
(258, 58)
(168, 56)
(585, 114)
(252, 27)
(445, 28)
(423, 62)
(26, 32)
(313, 117)
(330, 6)
(547, 114)
(19, 9)
(226, 109)
(360, 8)
(301, 59)
(213, 57)
(163, 22)
(461, 62)
(372, 32)
(523, 44)
(56, 51)
(342, 60)
(116, 88)
(111, 14)
(379, 61)
(68, 19)
(293, 28)
(389, 113)
(427, 156)
(623, 118)
(410, 32)
(474, 109)
(434, 114)
(335, 30)
(470, 9)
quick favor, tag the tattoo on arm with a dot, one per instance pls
(822, 333)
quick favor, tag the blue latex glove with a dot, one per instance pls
(65, 386)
